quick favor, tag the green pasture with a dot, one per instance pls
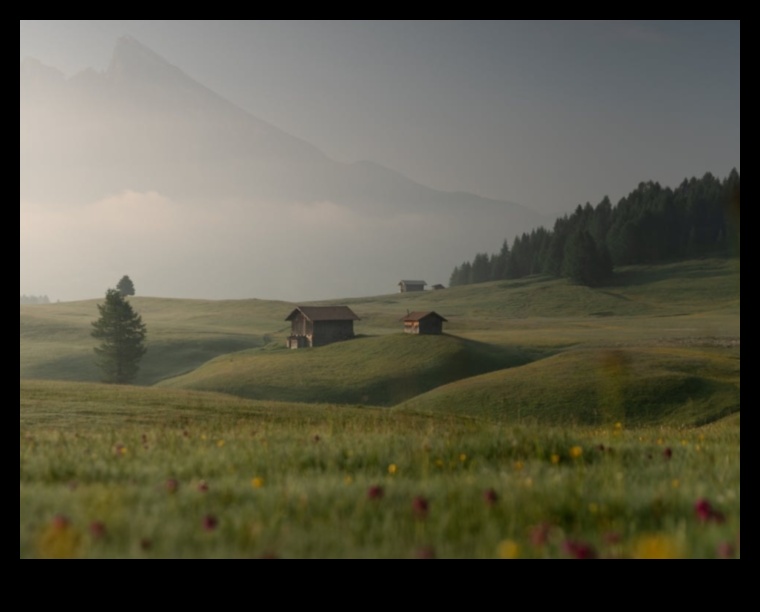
(548, 421)
(134, 472)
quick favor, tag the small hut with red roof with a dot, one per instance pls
(423, 322)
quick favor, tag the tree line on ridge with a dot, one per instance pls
(652, 224)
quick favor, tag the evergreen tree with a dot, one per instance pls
(454, 278)
(585, 263)
(555, 253)
(499, 271)
(650, 224)
(121, 332)
(480, 268)
(126, 286)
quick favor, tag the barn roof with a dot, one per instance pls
(412, 282)
(418, 315)
(324, 313)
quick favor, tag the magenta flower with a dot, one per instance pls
(490, 497)
(172, 484)
(579, 550)
(210, 522)
(375, 492)
(203, 486)
(706, 513)
(667, 453)
(97, 529)
(420, 507)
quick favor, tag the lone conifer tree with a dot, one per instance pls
(126, 286)
(121, 332)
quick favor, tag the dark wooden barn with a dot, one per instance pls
(320, 325)
(423, 323)
(411, 285)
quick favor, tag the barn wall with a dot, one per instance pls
(430, 326)
(301, 326)
(411, 327)
(326, 332)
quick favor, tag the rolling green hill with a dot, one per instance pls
(525, 342)
(376, 370)
(632, 386)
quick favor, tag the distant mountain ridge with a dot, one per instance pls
(145, 126)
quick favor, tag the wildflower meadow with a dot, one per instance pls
(256, 480)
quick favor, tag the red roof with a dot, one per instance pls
(324, 313)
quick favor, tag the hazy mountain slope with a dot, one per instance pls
(221, 190)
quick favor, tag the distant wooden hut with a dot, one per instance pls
(320, 325)
(421, 322)
(411, 285)
(438, 287)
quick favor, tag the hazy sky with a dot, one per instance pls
(547, 114)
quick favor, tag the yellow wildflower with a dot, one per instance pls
(656, 546)
(59, 540)
(576, 451)
(508, 549)
(257, 482)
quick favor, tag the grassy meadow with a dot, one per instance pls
(548, 421)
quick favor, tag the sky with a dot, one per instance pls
(546, 114)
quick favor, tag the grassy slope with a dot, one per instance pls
(693, 305)
(182, 334)
(71, 406)
(633, 386)
(377, 370)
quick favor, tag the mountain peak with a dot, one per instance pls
(131, 59)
